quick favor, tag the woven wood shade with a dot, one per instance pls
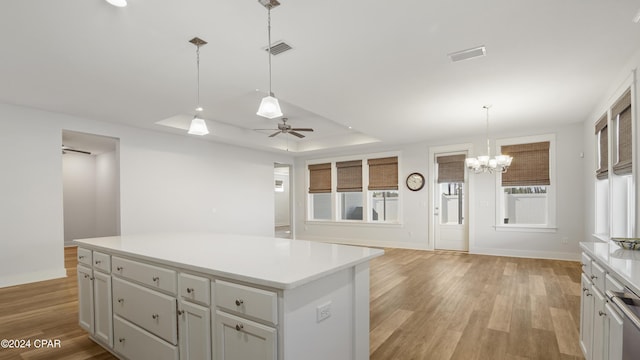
(383, 173)
(530, 165)
(450, 168)
(349, 176)
(622, 112)
(603, 132)
(320, 178)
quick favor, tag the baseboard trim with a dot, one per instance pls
(530, 254)
(369, 243)
(26, 278)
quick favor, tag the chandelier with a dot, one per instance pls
(484, 163)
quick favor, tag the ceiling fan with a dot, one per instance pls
(66, 148)
(285, 128)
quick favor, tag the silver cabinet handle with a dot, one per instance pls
(121, 340)
(156, 278)
(119, 268)
(98, 262)
(121, 300)
(602, 313)
(593, 277)
(190, 290)
(180, 312)
(81, 257)
(589, 294)
(155, 316)
(239, 302)
(584, 289)
(239, 327)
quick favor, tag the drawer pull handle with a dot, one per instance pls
(81, 257)
(121, 300)
(583, 265)
(155, 316)
(190, 290)
(98, 262)
(180, 312)
(239, 302)
(86, 276)
(593, 277)
(584, 289)
(589, 294)
(602, 313)
(119, 268)
(156, 278)
(239, 327)
(121, 340)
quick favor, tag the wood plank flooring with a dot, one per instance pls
(424, 305)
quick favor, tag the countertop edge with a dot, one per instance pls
(629, 283)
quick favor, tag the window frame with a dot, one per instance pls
(367, 218)
(551, 211)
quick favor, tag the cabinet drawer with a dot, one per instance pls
(598, 276)
(102, 262)
(84, 257)
(611, 284)
(151, 275)
(195, 288)
(257, 303)
(238, 338)
(586, 264)
(146, 308)
(135, 343)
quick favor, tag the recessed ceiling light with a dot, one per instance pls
(468, 53)
(118, 3)
(636, 19)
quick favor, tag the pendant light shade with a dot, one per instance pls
(118, 3)
(198, 127)
(269, 107)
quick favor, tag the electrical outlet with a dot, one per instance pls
(323, 311)
(564, 240)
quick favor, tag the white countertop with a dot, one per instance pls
(272, 262)
(624, 263)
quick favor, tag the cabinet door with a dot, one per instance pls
(241, 339)
(102, 308)
(599, 324)
(586, 317)
(195, 331)
(85, 298)
(615, 333)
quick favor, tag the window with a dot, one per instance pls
(450, 178)
(526, 196)
(602, 132)
(348, 201)
(622, 204)
(621, 115)
(320, 191)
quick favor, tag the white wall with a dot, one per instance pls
(413, 232)
(79, 196)
(168, 183)
(107, 195)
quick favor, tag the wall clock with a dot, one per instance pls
(415, 181)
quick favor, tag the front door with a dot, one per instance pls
(450, 202)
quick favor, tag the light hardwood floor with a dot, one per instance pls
(424, 305)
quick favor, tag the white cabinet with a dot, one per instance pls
(239, 338)
(135, 343)
(195, 331)
(614, 351)
(103, 315)
(85, 298)
(600, 339)
(586, 317)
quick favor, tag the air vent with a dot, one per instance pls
(279, 48)
(468, 53)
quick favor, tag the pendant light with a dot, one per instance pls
(484, 163)
(269, 106)
(198, 126)
(118, 3)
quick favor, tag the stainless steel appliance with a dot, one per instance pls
(628, 303)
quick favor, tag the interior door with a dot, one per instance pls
(450, 202)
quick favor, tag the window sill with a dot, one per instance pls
(526, 228)
(352, 223)
(601, 237)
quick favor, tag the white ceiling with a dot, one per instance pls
(380, 67)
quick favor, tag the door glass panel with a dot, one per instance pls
(451, 199)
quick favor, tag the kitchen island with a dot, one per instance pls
(214, 296)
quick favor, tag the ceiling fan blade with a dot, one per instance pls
(77, 151)
(302, 129)
(295, 134)
(266, 129)
(275, 133)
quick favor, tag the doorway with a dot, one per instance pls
(282, 201)
(450, 200)
(91, 186)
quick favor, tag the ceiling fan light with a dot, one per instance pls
(269, 108)
(198, 127)
(118, 3)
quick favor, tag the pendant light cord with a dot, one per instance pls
(198, 77)
(269, 46)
